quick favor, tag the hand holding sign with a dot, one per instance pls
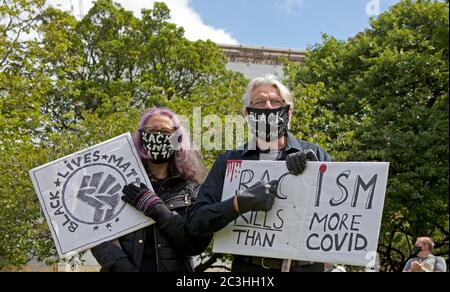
(259, 197)
(142, 198)
(330, 213)
(296, 162)
(145, 200)
(80, 194)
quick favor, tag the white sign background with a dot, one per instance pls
(326, 214)
(80, 194)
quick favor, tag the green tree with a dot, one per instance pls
(21, 93)
(80, 82)
(383, 96)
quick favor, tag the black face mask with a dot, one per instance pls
(269, 124)
(416, 250)
(158, 147)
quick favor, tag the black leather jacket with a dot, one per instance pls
(172, 241)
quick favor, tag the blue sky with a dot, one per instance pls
(288, 23)
(270, 23)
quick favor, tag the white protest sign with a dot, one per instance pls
(330, 213)
(80, 195)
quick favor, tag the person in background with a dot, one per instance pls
(424, 260)
(175, 173)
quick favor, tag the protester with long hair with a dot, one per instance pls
(175, 172)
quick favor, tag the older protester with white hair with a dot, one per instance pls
(268, 106)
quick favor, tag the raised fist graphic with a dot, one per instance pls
(103, 197)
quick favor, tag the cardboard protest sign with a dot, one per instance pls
(80, 194)
(330, 213)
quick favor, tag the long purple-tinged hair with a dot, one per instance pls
(186, 162)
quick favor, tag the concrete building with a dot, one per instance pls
(255, 61)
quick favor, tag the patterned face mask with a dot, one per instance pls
(158, 146)
(269, 124)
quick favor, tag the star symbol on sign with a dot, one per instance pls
(105, 157)
(96, 228)
(57, 182)
(117, 219)
(108, 226)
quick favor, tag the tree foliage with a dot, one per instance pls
(383, 96)
(79, 82)
(66, 84)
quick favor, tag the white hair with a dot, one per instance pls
(270, 80)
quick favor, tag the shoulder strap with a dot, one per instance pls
(436, 260)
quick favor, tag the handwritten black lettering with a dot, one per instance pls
(116, 160)
(54, 204)
(87, 158)
(280, 195)
(96, 155)
(77, 162)
(344, 191)
(54, 196)
(339, 200)
(365, 186)
(265, 177)
(254, 238)
(246, 177)
(281, 220)
(73, 227)
(251, 220)
(125, 166)
(352, 228)
(336, 242)
(58, 211)
(319, 220)
(63, 175)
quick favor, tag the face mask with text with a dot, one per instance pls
(158, 146)
(269, 124)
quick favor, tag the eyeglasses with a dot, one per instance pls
(164, 131)
(261, 103)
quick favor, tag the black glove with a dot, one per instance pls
(145, 200)
(296, 162)
(259, 197)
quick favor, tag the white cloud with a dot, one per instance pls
(180, 10)
(184, 15)
(291, 6)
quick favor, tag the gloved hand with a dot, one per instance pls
(259, 197)
(296, 162)
(145, 200)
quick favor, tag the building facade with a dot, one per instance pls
(255, 61)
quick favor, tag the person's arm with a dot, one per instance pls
(170, 222)
(209, 214)
(112, 258)
(417, 267)
(175, 227)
